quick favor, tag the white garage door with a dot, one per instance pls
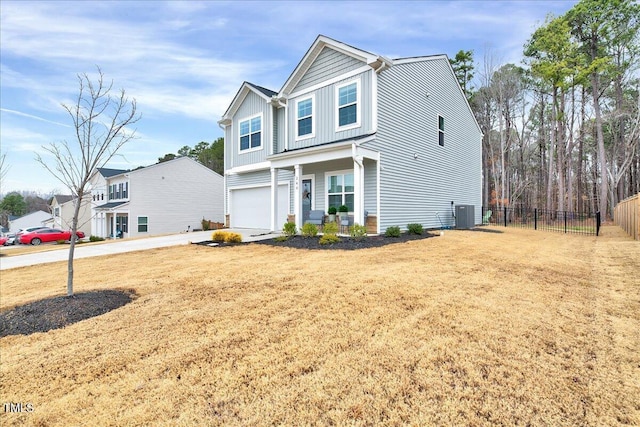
(251, 207)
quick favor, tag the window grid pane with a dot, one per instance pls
(244, 142)
(348, 94)
(255, 140)
(347, 115)
(304, 126)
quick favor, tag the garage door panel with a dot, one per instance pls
(251, 207)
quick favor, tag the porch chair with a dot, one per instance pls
(316, 217)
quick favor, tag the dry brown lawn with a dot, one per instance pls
(472, 328)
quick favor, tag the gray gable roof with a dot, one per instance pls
(62, 198)
(106, 172)
(267, 92)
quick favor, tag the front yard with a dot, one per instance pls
(469, 328)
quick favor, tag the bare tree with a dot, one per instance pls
(101, 122)
(3, 168)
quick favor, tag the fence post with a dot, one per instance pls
(565, 221)
(598, 223)
(535, 218)
(505, 216)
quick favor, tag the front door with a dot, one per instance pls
(306, 198)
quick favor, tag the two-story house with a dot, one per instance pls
(168, 197)
(393, 138)
(63, 208)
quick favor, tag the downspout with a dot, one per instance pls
(224, 179)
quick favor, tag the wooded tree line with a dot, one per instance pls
(562, 131)
(210, 155)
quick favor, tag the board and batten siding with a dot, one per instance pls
(329, 63)
(252, 105)
(174, 195)
(420, 178)
(324, 113)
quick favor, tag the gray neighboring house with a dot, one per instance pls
(168, 197)
(32, 219)
(393, 138)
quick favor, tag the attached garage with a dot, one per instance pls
(251, 207)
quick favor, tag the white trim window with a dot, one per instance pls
(305, 124)
(348, 105)
(250, 133)
(143, 224)
(340, 189)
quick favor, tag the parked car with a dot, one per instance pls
(22, 231)
(11, 239)
(44, 235)
(3, 240)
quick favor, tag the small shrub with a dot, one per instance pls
(393, 231)
(343, 208)
(96, 239)
(328, 239)
(309, 230)
(226, 236)
(330, 228)
(232, 237)
(281, 238)
(205, 224)
(414, 228)
(358, 231)
(218, 236)
(332, 210)
(289, 228)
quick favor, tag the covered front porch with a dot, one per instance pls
(111, 220)
(331, 175)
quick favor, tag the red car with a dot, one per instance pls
(3, 240)
(47, 235)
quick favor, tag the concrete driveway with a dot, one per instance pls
(121, 246)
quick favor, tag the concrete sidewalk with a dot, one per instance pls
(121, 246)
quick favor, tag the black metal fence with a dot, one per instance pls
(543, 219)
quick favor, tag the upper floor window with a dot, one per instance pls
(305, 127)
(125, 190)
(251, 133)
(348, 110)
(441, 131)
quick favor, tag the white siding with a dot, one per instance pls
(251, 105)
(174, 195)
(418, 177)
(329, 63)
(325, 113)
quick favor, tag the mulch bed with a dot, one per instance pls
(345, 243)
(58, 312)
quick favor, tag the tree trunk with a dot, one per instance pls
(602, 157)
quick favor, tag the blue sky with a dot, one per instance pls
(184, 61)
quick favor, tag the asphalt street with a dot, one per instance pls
(8, 261)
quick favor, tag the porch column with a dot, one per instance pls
(297, 206)
(274, 199)
(358, 190)
(113, 225)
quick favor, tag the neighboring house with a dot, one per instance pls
(167, 197)
(393, 138)
(33, 219)
(62, 210)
